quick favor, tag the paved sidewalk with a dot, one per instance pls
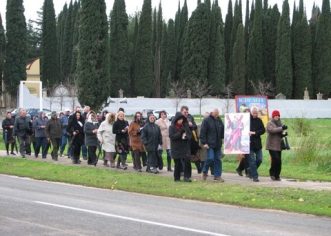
(228, 177)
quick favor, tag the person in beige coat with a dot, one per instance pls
(164, 125)
(107, 139)
(275, 130)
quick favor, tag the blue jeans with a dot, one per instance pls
(64, 141)
(254, 160)
(41, 142)
(213, 158)
(84, 151)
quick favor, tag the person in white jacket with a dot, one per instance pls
(107, 139)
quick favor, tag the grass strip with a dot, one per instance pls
(288, 199)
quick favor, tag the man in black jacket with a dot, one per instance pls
(23, 130)
(255, 157)
(211, 135)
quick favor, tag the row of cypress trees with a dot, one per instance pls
(144, 54)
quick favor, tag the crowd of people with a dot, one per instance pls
(86, 134)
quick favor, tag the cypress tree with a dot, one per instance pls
(15, 61)
(216, 66)
(183, 19)
(164, 62)
(144, 63)
(313, 25)
(33, 41)
(271, 16)
(227, 40)
(93, 60)
(75, 43)
(322, 51)
(255, 50)
(60, 32)
(171, 54)
(133, 35)
(67, 43)
(157, 52)
(49, 56)
(238, 62)
(119, 48)
(196, 46)
(2, 51)
(302, 50)
(247, 23)
(284, 70)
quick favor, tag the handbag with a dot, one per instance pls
(284, 144)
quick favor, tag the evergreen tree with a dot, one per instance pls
(133, 35)
(238, 62)
(33, 41)
(237, 20)
(216, 65)
(313, 25)
(255, 50)
(67, 43)
(247, 23)
(2, 51)
(75, 43)
(119, 48)
(322, 51)
(284, 73)
(49, 56)
(271, 16)
(196, 46)
(60, 32)
(183, 19)
(144, 63)
(15, 61)
(302, 50)
(157, 52)
(93, 60)
(164, 62)
(227, 40)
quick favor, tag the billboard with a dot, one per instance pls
(259, 102)
(236, 133)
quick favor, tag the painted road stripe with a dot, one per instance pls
(131, 219)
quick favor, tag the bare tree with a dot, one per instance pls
(228, 91)
(263, 88)
(178, 90)
(201, 89)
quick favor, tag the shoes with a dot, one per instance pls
(170, 170)
(256, 180)
(272, 177)
(218, 179)
(187, 180)
(7, 153)
(23, 156)
(13, 153)
(204, 176)
(177, 180)
(240, 173)
(278, 179)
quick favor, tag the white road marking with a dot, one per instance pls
(131, 219)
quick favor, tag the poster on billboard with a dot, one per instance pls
(236, 133)
(259, 102)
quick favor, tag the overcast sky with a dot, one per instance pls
(169, 7)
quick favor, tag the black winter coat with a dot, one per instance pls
(257, 127)
(151, 136)
(8, 133)
(78, 139)
(90, 137)
(122, 139)
(180, 148)
(212, 132)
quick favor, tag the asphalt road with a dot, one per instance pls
(30, 207)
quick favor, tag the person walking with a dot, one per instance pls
(53, 132)
(180, 136)
(120, 128)
(107, 139)
(164, 125)
(255, 156)
(211, 135)
(275, 130)
(8, 133)
(152, 139)
(23, 130)
(64, 120)
(91, 140)
(39, 126)
(76, 131)
(135, 141)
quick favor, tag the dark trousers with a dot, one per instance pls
(24, 143)
(182, 164)
(56, 144)
(152, 159)
(244, 164)
(144, 158)
(136, 159)
(12, 147)
(84, 152)
(28, 145)
(76, 152)
(92, 155)
(168, 158)
(41, 142)
(276, 163)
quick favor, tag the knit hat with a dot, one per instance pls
(275, 113)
